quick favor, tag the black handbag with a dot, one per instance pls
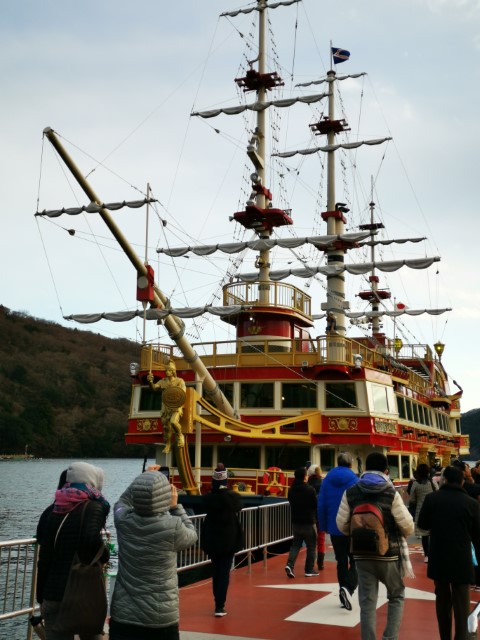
(83, 608)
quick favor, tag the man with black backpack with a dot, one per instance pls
(373, 514)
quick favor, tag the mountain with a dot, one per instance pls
(63, 392)
(470, 423)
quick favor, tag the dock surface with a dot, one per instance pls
(264, 604)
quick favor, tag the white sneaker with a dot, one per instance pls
(289, 571)
(345, 599)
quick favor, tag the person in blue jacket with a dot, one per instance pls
(335, 483)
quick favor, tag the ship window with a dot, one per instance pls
(227, 390)
(327, 459)
(239, 457)
(393, 470)
(340, 395)
(405, 462)
(150, 400)
(299, 395)
(401, 407)
(257, 394)
(409, 410)
(421, 417)
(415, 412)
(286, 457)
(207, 455)
(380, 398)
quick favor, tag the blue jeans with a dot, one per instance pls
(370, 573)
(301, 533)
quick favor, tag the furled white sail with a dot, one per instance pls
(273, 5)
(93, 207)
(331, 147)
(157, 314)
(195, 312)
(260, 106)
(331, 270)
(320, 242)
(366, 316)
(323, 80)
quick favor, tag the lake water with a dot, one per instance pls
(27, 487)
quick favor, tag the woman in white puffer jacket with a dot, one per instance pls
(151, 528)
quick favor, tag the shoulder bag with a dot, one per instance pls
(83, 608)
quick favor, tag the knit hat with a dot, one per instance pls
(83, 472)
(220, 473)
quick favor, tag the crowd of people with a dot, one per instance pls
(436, 497)
(152, 527)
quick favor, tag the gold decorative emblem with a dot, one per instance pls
(255, 329)
(147, 425)
(342, 424)
(174, 397)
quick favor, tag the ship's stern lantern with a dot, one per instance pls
(439, 348)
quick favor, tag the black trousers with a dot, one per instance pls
(451, 597)
(346, 570)
(221, 566)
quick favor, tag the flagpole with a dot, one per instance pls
(331, 55)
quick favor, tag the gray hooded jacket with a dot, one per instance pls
(149, 536)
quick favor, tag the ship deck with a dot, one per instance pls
(264, 604)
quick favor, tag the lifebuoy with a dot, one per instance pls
(274, 481)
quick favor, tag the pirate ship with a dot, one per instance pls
(280, 393)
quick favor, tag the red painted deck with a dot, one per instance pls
(266, 605)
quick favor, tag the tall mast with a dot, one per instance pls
(174, 325)
(374, 295)
(261, 200)
(334, 217)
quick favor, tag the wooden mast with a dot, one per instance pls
(174, 325)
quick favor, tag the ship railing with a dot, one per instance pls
(257, 352)
(263, 526)
(278, 295)
(18, 576)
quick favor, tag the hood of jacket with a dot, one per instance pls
(374, 482)
(341, 477)
(85, 473)
(151, 494)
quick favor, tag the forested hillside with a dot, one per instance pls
(63, 392)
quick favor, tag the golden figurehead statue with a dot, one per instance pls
(173, 399)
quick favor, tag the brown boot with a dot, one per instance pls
(320, 559)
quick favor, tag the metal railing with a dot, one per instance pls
(263, 526)
(18, 575)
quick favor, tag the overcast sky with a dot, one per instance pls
(118, 81)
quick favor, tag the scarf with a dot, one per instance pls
(406, 569)
(73, 493)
